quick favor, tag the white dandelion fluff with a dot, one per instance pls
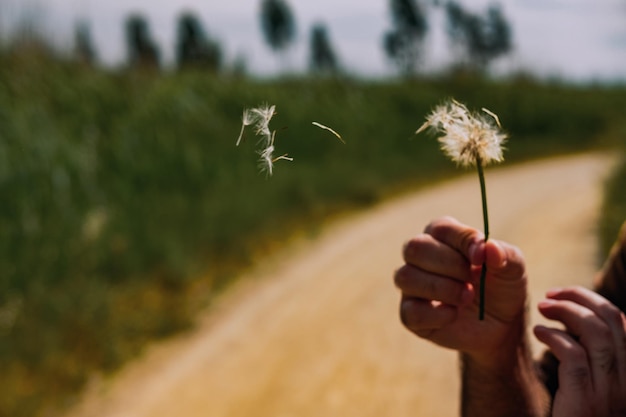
(263, 115)
(468, 138)
(267, 159)
(246, 120)
(321, 126)
(259, 118)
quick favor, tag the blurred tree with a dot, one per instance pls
(239, 66)
(194, 48)
(84, 51)
(278, 24)
(27, 42)
(142, 51)
(482, 38)
(323, 59)
(403, 44)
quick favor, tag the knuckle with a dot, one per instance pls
(449, 230)
(576, 371)
(576, 292)
(401, 277)
(576, 354)
(414, 247)
(409, 315)
(597, 337)
(579, 376)
(611, 315)
(466, 238)
(604, 358)
(599, 331)
(415, 318)
(435, 227)
(431, 287)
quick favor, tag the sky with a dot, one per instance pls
(579, 40)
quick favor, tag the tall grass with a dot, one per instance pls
(614, 206)
(125, 206)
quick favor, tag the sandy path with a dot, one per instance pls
(315, 331)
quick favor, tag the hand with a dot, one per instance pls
(439, 284)
(591, 351)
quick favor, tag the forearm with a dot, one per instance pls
(506, 387)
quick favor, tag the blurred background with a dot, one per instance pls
(580, 40)
(125, 206)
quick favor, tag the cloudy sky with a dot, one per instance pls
(580, 40)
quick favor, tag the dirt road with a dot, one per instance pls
(315, 331)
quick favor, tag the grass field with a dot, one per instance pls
(126, 205)
(614, 205)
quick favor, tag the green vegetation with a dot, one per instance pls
(126, 206)
(614, 207)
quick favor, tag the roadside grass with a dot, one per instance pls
(126, 206)
(614, 205)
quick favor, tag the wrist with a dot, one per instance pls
(495, 389)
(504, 380)
(507, 351)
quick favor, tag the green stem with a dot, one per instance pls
(483, 272)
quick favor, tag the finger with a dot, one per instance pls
(415, 282)
(594, 336)
(462, 238)
(424, 317)
(574, 372)
(612, 317)
(575, 386)
(504, 261)
(432, 255)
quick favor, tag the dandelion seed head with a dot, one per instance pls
(467, 138)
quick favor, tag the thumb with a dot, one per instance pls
(504, 261)
(506, 281)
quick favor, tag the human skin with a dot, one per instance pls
(591, 350)
(438, 284)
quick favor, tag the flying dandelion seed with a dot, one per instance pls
(263, 116)
(247, 119)
(259, 118)
(469, 139)
(267, 159)
(321, 126)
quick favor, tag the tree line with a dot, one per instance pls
(477, 39)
